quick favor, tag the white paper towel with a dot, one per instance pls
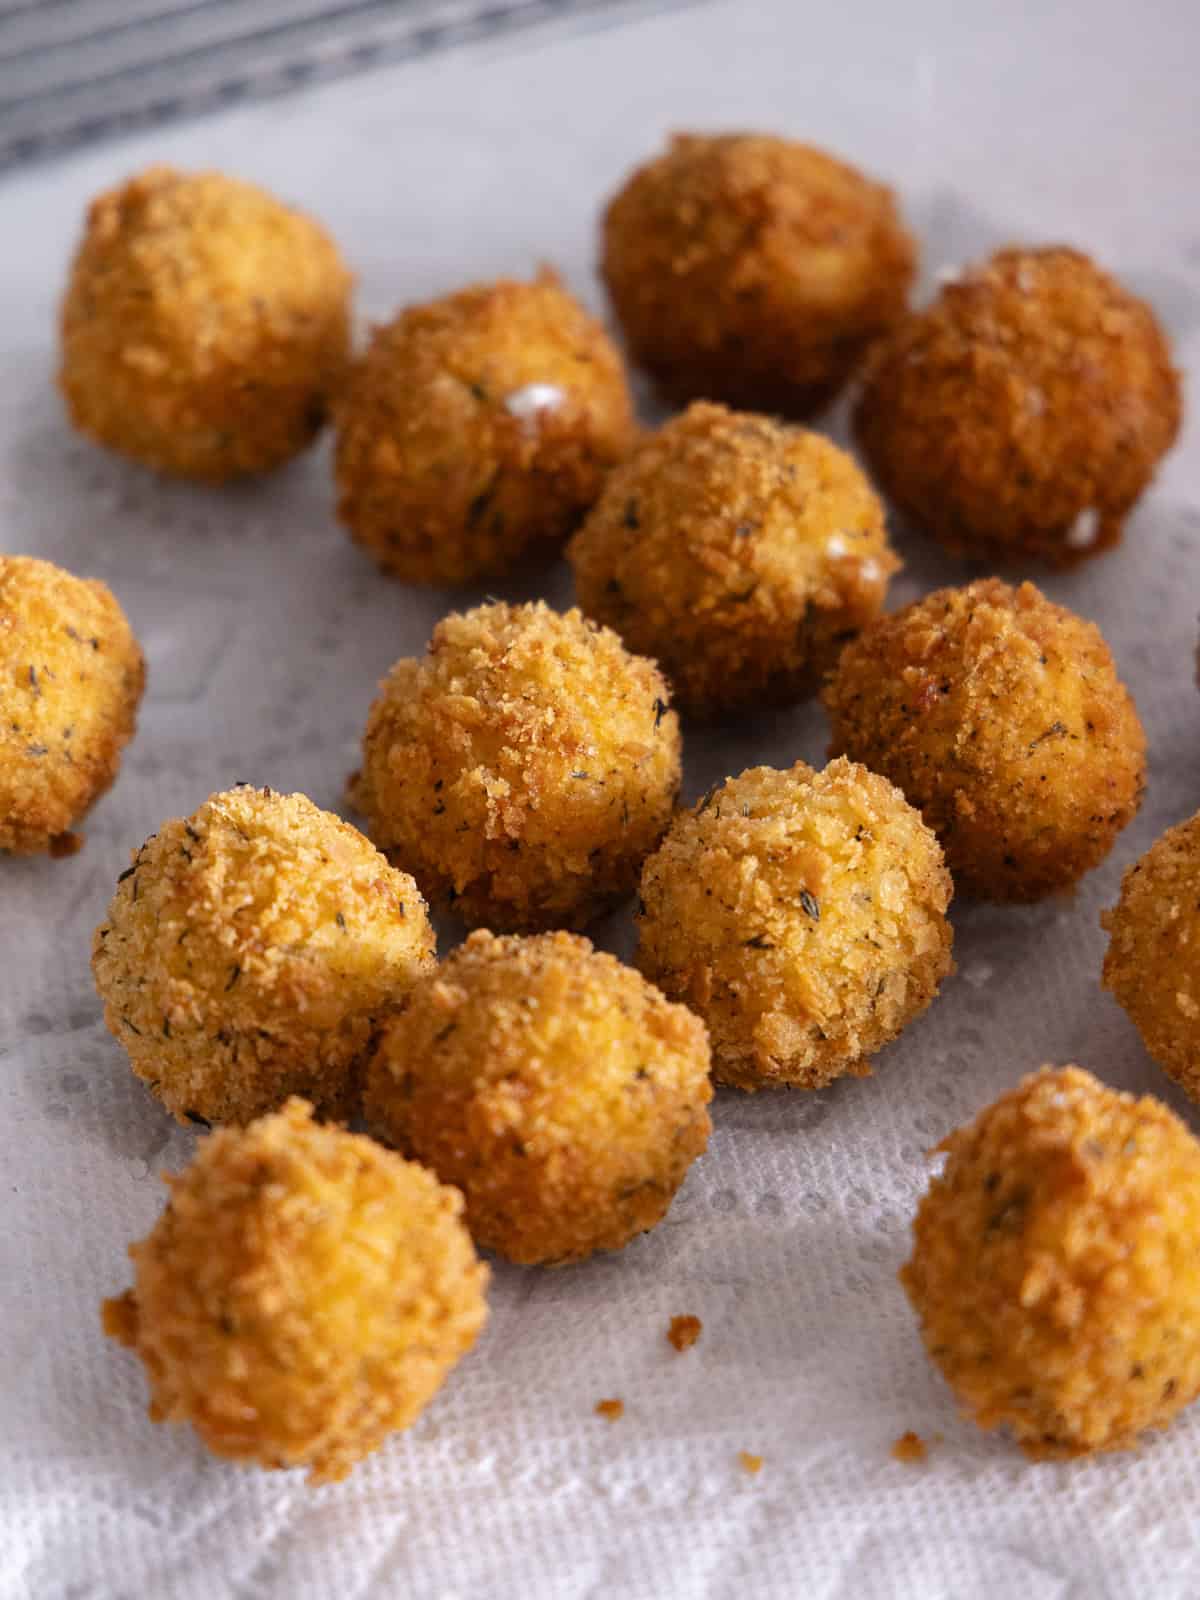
(266, 632)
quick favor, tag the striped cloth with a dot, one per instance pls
(75, 70)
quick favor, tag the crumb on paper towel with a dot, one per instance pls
(610, 1410)
(684, 1331)
(910, 1447)
(748, 1463)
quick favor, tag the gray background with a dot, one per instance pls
(266, 632)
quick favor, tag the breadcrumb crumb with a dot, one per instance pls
(610, 1410)
(684, 1331)
(910, 1448)
(748, 1463)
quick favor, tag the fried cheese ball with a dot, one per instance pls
(303, 1295)
(249, 953)
(1002, 718)
(478, 429)
(205, 326)
(1054, 1265)
(553, 1085)
(1021, 415)
(71, 680)
(1152, 964)
(753, 270)
(739, 553)
(524, 769)
(802, 914)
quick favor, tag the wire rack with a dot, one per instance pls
(72, 71)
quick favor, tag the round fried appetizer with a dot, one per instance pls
(478, 429)
(803, 915)
(1054, 1265)
(71, 680)
(741, 554)
(205, 326)
(1022, 414)
(249, 953)
(753, 270)
(561, 1093)
(524, 769)
(1001, 717)
(303, 1295)
(1153, 961)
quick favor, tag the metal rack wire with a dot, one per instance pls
(76, 70)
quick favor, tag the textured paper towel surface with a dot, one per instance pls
(266, 632)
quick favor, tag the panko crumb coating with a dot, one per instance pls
(524, 769)
(1021, 415)
(739, 553)
(753, 270)
(802, 914)
(1054, 1265)
(303, 1295)
(553, 1085)
(71, 680)
(478, 429)
(250, 952)
(1152, 965)
(1002, 718)
(205, 326)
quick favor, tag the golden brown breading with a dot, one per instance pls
(524, 769)
(554, 1086)
(803, 915)
(71, 680)
(250, 952)
(1001, 717)
(683, 1332)
(1054, 1265)
(739, 553)
(479, 428)
(1152, 965)
(1023, 413)
(205, 326)
(303, 1294)
(753, 270)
